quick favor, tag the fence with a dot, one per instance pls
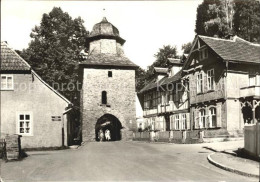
(252, 139)
(170, 136)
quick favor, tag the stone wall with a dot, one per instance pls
(120, 90)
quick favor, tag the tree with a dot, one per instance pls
(143, 77)
(215, 18)
(55, 48)
(247, 20)
(186, 48)
(222, 17)
(140, 79)
(161, 60)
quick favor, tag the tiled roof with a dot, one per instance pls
(11, 61)
(165, 80)
(161, 70)
(108, 60)
(238, 50)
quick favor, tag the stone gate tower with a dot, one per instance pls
(108, 86)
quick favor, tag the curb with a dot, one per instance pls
(229, 168)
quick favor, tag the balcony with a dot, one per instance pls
(251, 91)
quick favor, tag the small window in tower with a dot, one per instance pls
(104, 97)
(109, 73)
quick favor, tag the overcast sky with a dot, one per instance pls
(145, 25)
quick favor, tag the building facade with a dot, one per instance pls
(165, 99)
(220, 80)
(29, 106)
(108, 86)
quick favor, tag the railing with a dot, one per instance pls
(250, 91)
(149, 112)
(162, 108)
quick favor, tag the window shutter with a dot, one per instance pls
(173, 123)
(204, 82)
(219, 122)
(196, 119)
(188, 121)
(207, 117)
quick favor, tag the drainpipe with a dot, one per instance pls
(62, 129)
(226, 80)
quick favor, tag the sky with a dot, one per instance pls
(145, 25)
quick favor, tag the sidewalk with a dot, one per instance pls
(225, 158)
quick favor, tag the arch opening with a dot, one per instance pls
(108, 122)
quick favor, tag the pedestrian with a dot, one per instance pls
(107, 135)
(101, 135)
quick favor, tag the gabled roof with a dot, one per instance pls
(164, 81)
(160, 70)
(11, 61)
(237, 50)
(108, 60)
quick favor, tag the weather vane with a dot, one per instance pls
(104, 12)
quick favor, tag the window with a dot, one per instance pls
(258, 80)
(199, 83)
(177, 122)
(7, 82)
(252, 80)
(203, 54)
(25, 123)
(210, 79)
(202, 118)
(183, 122)
(104, 97)
(212, 117)
(109, 73)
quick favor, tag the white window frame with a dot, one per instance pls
(252, 79)
(177, 122)
(200, 82)
(10, 76)
(257, 80)
(183, 122)
(210, 79)
(211, 116)
(30, 122)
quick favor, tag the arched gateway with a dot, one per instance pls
(111, 123)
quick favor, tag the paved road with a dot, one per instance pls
(123, 161)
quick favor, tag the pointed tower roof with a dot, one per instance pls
(105, 29)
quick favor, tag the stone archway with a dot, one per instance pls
(110, 122)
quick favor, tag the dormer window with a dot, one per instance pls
(203, 54)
